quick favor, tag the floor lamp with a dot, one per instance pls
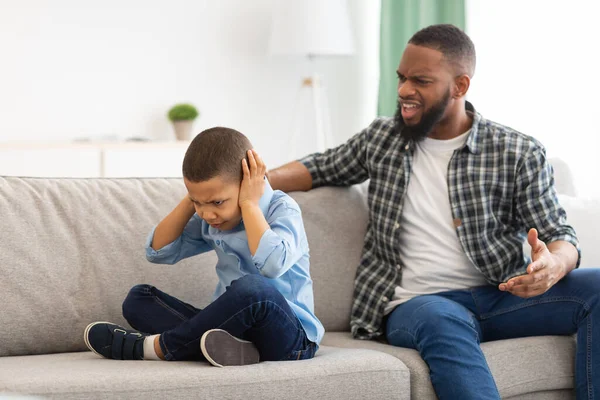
(312, 29)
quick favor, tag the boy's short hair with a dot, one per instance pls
(216, 152)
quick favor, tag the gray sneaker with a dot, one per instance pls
(222, 349)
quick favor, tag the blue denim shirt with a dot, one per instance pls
(282, 255)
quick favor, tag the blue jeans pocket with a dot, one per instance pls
(305, 354)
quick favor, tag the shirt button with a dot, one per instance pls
(218, 242)
(407, 147)
(385, 299)
(396, 225)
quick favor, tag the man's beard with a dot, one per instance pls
(429, 119)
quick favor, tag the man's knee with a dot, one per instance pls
(584, 283)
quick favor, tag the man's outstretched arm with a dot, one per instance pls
(290, 177)
(344, 165)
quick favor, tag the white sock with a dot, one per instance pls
(149, 353)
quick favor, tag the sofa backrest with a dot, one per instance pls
(563, 177)
(71, 249)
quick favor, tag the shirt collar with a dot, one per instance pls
(473, 142)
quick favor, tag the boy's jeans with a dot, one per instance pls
(250, 309)
(446, 328)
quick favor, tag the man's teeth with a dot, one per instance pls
(409, 105)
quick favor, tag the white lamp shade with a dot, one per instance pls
(311, 28)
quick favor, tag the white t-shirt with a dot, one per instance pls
(432, 257)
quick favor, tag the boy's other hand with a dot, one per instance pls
(253, 181)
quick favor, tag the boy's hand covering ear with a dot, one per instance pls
(253, 181)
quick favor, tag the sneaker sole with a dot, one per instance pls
(244, 352)
(87, 330)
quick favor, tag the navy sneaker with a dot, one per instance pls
(222, 349)
(113, 341)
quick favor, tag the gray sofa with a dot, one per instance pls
(71, 249)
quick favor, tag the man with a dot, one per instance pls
(452, 197)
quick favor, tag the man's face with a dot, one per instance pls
(216, 202)
(424, 82)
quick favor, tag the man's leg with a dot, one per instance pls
(447, 336)
(250, 309)
(150, 310)
(569, 307)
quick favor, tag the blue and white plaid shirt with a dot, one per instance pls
(500, 185)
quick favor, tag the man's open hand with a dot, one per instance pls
(544, 271)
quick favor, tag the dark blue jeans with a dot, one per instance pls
(250, 309)
(446, 328)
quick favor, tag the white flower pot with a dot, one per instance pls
(183, 129)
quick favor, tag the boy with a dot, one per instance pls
(262, 308)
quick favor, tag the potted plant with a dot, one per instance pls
(182, 116)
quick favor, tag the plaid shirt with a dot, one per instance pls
(500, 185)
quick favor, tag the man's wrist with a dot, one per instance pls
(562, 265)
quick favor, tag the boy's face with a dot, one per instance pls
(216, 202)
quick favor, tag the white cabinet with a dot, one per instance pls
(113, 160)
(147, 160)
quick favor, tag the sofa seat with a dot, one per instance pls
(334, 373)
(522, 368)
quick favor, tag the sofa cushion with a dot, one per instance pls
(519, 366)
(333, 374)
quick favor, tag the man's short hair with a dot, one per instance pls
(452, 42)
(216, 152)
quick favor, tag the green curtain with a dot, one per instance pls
(400, 19)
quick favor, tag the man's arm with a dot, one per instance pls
(550, 263)
(565, 253)
(343, 165)
(537, 206)
(290, 177)
(554, 254)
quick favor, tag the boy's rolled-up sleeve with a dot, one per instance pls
(189, 244)
(282, 245)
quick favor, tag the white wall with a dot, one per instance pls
(73, 69)
(537, 71)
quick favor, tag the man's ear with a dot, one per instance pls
(461, 86)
